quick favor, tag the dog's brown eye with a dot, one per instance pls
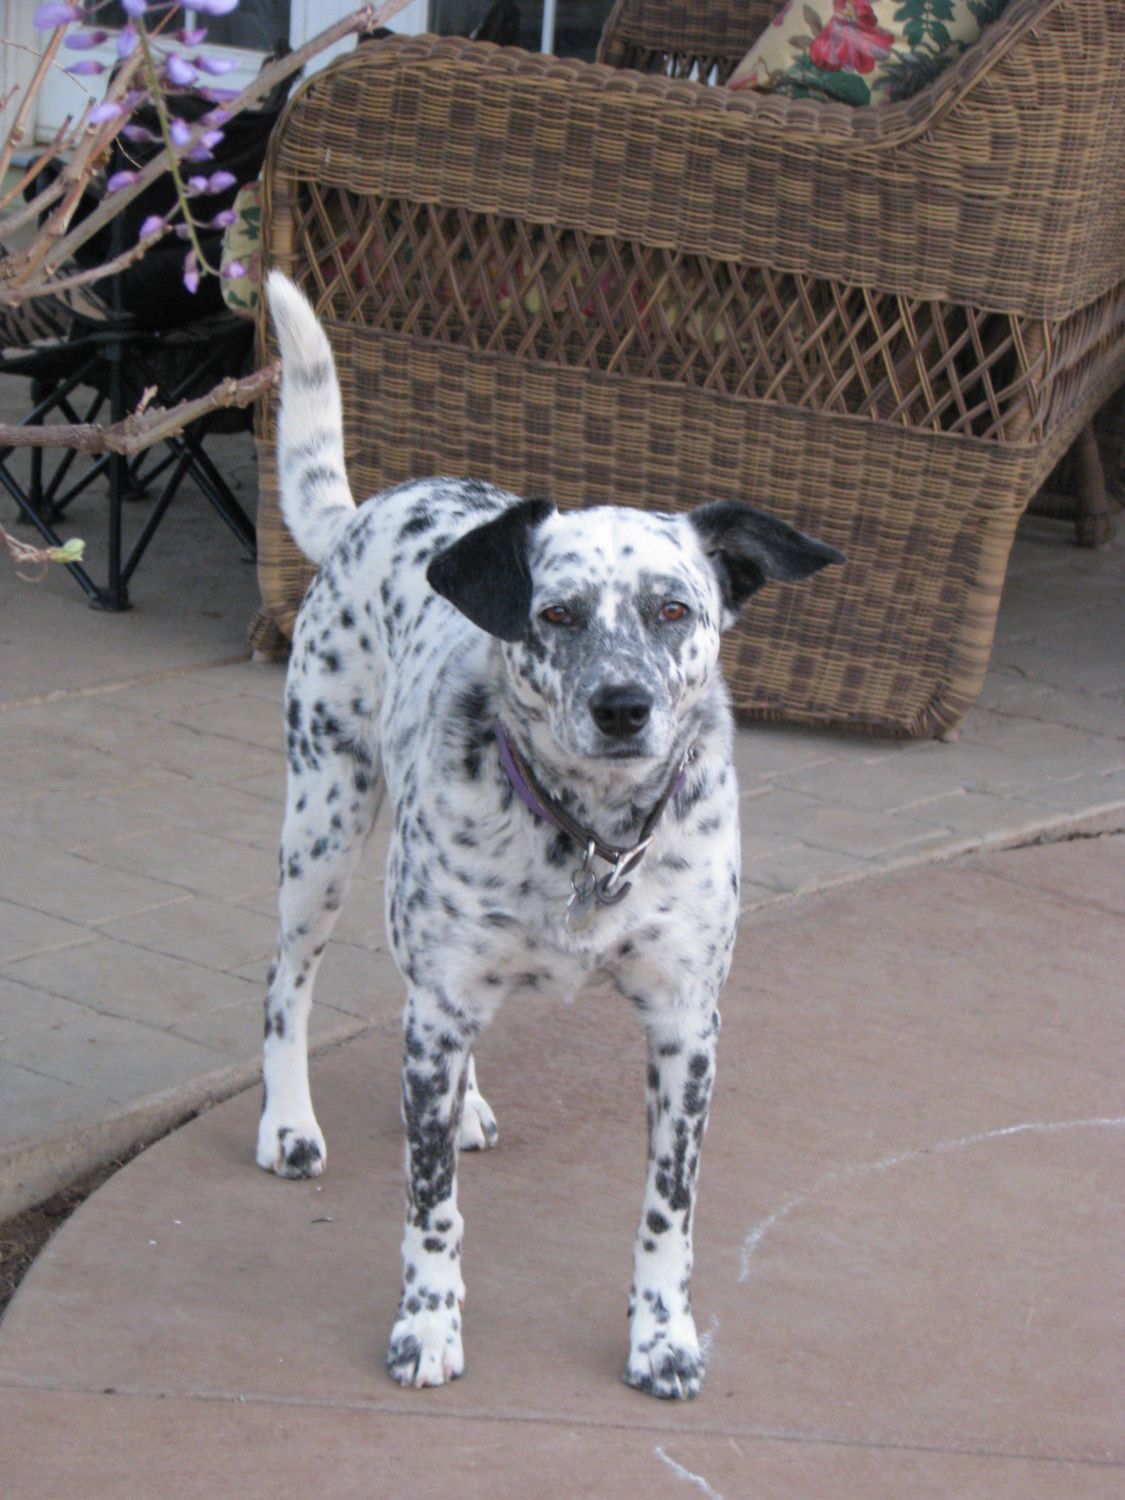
(674, 611)
(557, 614)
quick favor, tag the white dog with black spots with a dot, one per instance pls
(541, 692)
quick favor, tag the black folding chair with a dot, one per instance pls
(100, 369)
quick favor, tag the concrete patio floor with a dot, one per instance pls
(907, 1242)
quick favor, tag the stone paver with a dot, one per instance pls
(23, 931)
(106, 1054)
(188, 859)
(23, 1008)
(198, 930)
(79, 890)
(122, 979)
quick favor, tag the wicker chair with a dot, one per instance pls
(611, 283)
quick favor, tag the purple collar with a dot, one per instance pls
(521, 784)
(544, 806)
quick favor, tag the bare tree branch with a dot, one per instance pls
(148, 424)
(107, 267)
(74, 178)
(57, 145)
(15, 135)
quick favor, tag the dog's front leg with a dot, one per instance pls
(664, 1356)
(425, 1345)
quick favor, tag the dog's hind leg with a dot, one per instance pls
(331, 809)
(479, 1130)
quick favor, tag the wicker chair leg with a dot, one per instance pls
(1094, 520)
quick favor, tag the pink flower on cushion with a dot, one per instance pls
(852, 40)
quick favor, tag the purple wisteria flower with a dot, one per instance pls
(179, 71)
(47, 17)
(201, 152)
(109, 109)
(82, 41)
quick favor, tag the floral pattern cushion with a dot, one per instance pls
(861, 51)
(242, 254)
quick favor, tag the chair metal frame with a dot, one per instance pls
(115, 359)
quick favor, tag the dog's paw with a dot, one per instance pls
(425, 1348)
(667, 1363)
(479, 1130)
(291, 1150)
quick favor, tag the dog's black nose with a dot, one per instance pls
(621, 711)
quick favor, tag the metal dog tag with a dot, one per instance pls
(583, 900)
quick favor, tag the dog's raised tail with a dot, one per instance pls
(316, 500)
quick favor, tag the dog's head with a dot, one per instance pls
(610, 618)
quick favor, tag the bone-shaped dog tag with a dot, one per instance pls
(583, 900)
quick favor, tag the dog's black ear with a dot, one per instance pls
(485, 574)
(748, 548)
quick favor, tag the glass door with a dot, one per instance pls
(569, 30)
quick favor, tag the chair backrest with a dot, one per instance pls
(706, 39)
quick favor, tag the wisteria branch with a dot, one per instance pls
(19, 124)
(147, 424)
(25, 555)
(18, 286)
